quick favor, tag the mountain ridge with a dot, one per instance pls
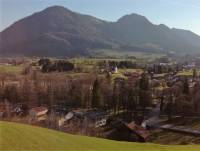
(58, 31)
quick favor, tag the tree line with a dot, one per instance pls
(58, 65)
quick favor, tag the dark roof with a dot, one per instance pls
(91, 114)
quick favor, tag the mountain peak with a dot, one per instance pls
(163, 26)
(56, 9)
(133, 18)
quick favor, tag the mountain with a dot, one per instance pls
(57, 31)
(188, 36)
(54, 31)
(137, 30)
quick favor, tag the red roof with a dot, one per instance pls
(138, 130)
(39, 109)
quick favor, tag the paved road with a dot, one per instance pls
(180, 129)
(153, 118)
(154, 121)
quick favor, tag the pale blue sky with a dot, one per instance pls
(183, 14)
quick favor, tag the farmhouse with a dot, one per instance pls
(190, 66)
(87, 118)
(19, 109)
(114, 69)
(138, 130)
(38, 113)
(127, 132)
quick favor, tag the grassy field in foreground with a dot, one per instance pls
(19, 137)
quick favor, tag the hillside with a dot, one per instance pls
(58, 31)
(15, 137)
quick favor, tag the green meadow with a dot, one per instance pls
(10, 69)
(20, 137)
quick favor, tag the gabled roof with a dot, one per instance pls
(140, 131)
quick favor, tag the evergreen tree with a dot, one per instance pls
(169, 106)
(144, 93)
(96, 94)
(194, 73)
(144, 82)
(132, 103)
(162, 101)
(115, 97)
(185, 86)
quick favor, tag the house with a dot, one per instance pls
(96, 118)
(67, 117)
(19, 109)
(131, 132)
(190, 66)
(114, 69)
(38, 113)
(111, 69)
(87, 118)
(59, 110)
(142, 133)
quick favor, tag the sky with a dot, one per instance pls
(183, 14)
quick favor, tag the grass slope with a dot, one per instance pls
(19, 137)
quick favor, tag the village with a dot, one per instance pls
(107, 75)
(118, 100)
